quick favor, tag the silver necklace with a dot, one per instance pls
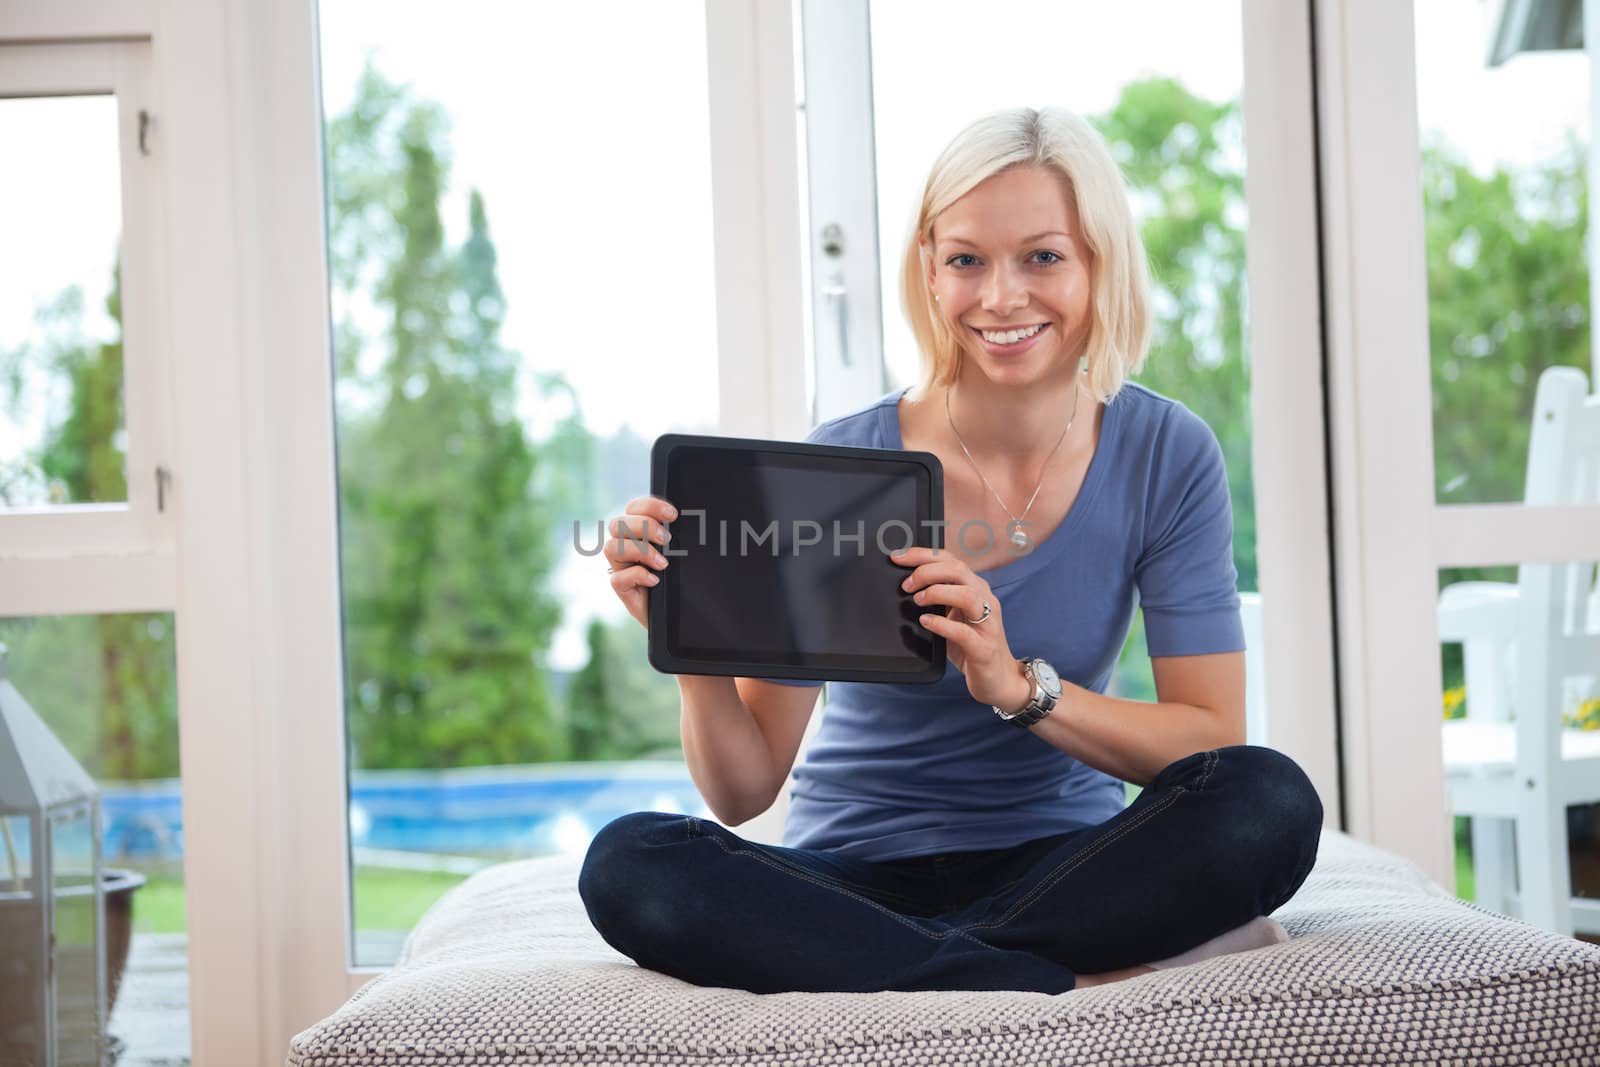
(1014, 531)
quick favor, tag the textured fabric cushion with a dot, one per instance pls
(1382, 966)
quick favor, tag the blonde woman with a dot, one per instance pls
(972, 834)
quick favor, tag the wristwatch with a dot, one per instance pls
(1046, 693)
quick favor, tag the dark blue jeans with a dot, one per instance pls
(1218, 838)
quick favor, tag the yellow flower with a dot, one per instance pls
(1587, 717)
(1454, 697)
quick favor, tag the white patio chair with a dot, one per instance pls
(1531, 652)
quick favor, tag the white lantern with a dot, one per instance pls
(52, 901)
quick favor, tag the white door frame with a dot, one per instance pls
(1377, 299)
(755, 181)
(1392, 536)
(1287, 403)
(841, 207)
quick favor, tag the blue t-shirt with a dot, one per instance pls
(907, 770)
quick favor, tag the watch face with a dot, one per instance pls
(1049, 681)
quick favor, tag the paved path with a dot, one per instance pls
(151, 1019)
(150, 1026)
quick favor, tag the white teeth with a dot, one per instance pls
(1010, 337)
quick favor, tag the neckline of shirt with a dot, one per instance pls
(1024, 567)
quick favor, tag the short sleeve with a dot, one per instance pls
(1188, 586)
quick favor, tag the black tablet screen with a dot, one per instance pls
(786, 559)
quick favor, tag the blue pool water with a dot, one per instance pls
(487, 811)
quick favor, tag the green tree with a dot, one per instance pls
(447, 548)
(1508, 297)
(619, 708)
(106, 684)
(1183, 158)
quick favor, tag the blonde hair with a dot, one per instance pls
(1119, 330)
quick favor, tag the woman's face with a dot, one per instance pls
(1009, 257)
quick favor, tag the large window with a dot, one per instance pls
(522, 300)
(1505, 149)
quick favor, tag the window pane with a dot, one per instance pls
(1168, 104)
(523, 300)
(106, 687)
(75, 931)
(1491, 698)
(1505, 158)
(61, 416)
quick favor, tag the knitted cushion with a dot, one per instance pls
(1382, 966)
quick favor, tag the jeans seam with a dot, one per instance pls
(694, 831)
(1075, 861)
(837, 888)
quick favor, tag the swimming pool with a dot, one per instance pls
(478, 811)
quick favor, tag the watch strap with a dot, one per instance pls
(1038, 706)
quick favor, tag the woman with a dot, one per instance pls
(971, 834)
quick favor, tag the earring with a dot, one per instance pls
(936, 298)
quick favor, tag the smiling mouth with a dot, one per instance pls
(1012, 335)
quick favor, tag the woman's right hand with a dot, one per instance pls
(633, 562)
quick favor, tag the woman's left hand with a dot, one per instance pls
(979, 650)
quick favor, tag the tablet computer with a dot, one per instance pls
(779, 567)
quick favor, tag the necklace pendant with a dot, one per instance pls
(1017, 535)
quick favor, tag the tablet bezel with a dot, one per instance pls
(929, 532)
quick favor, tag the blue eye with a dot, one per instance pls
(951, 262)
(1052, 262)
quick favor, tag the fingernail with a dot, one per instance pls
(672, 513)
(906, 584)
(652, 579)
(924, 619)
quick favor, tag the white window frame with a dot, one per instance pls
(114, 556)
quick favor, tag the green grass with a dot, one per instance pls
(385, 899)
(1465, 888)
(158, 906)
(394, 900)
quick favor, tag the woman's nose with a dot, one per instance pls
(1003, 290)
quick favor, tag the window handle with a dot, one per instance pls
(836, 293)
(163, 476)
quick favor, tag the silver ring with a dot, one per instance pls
(987, 611)
(611, 570)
